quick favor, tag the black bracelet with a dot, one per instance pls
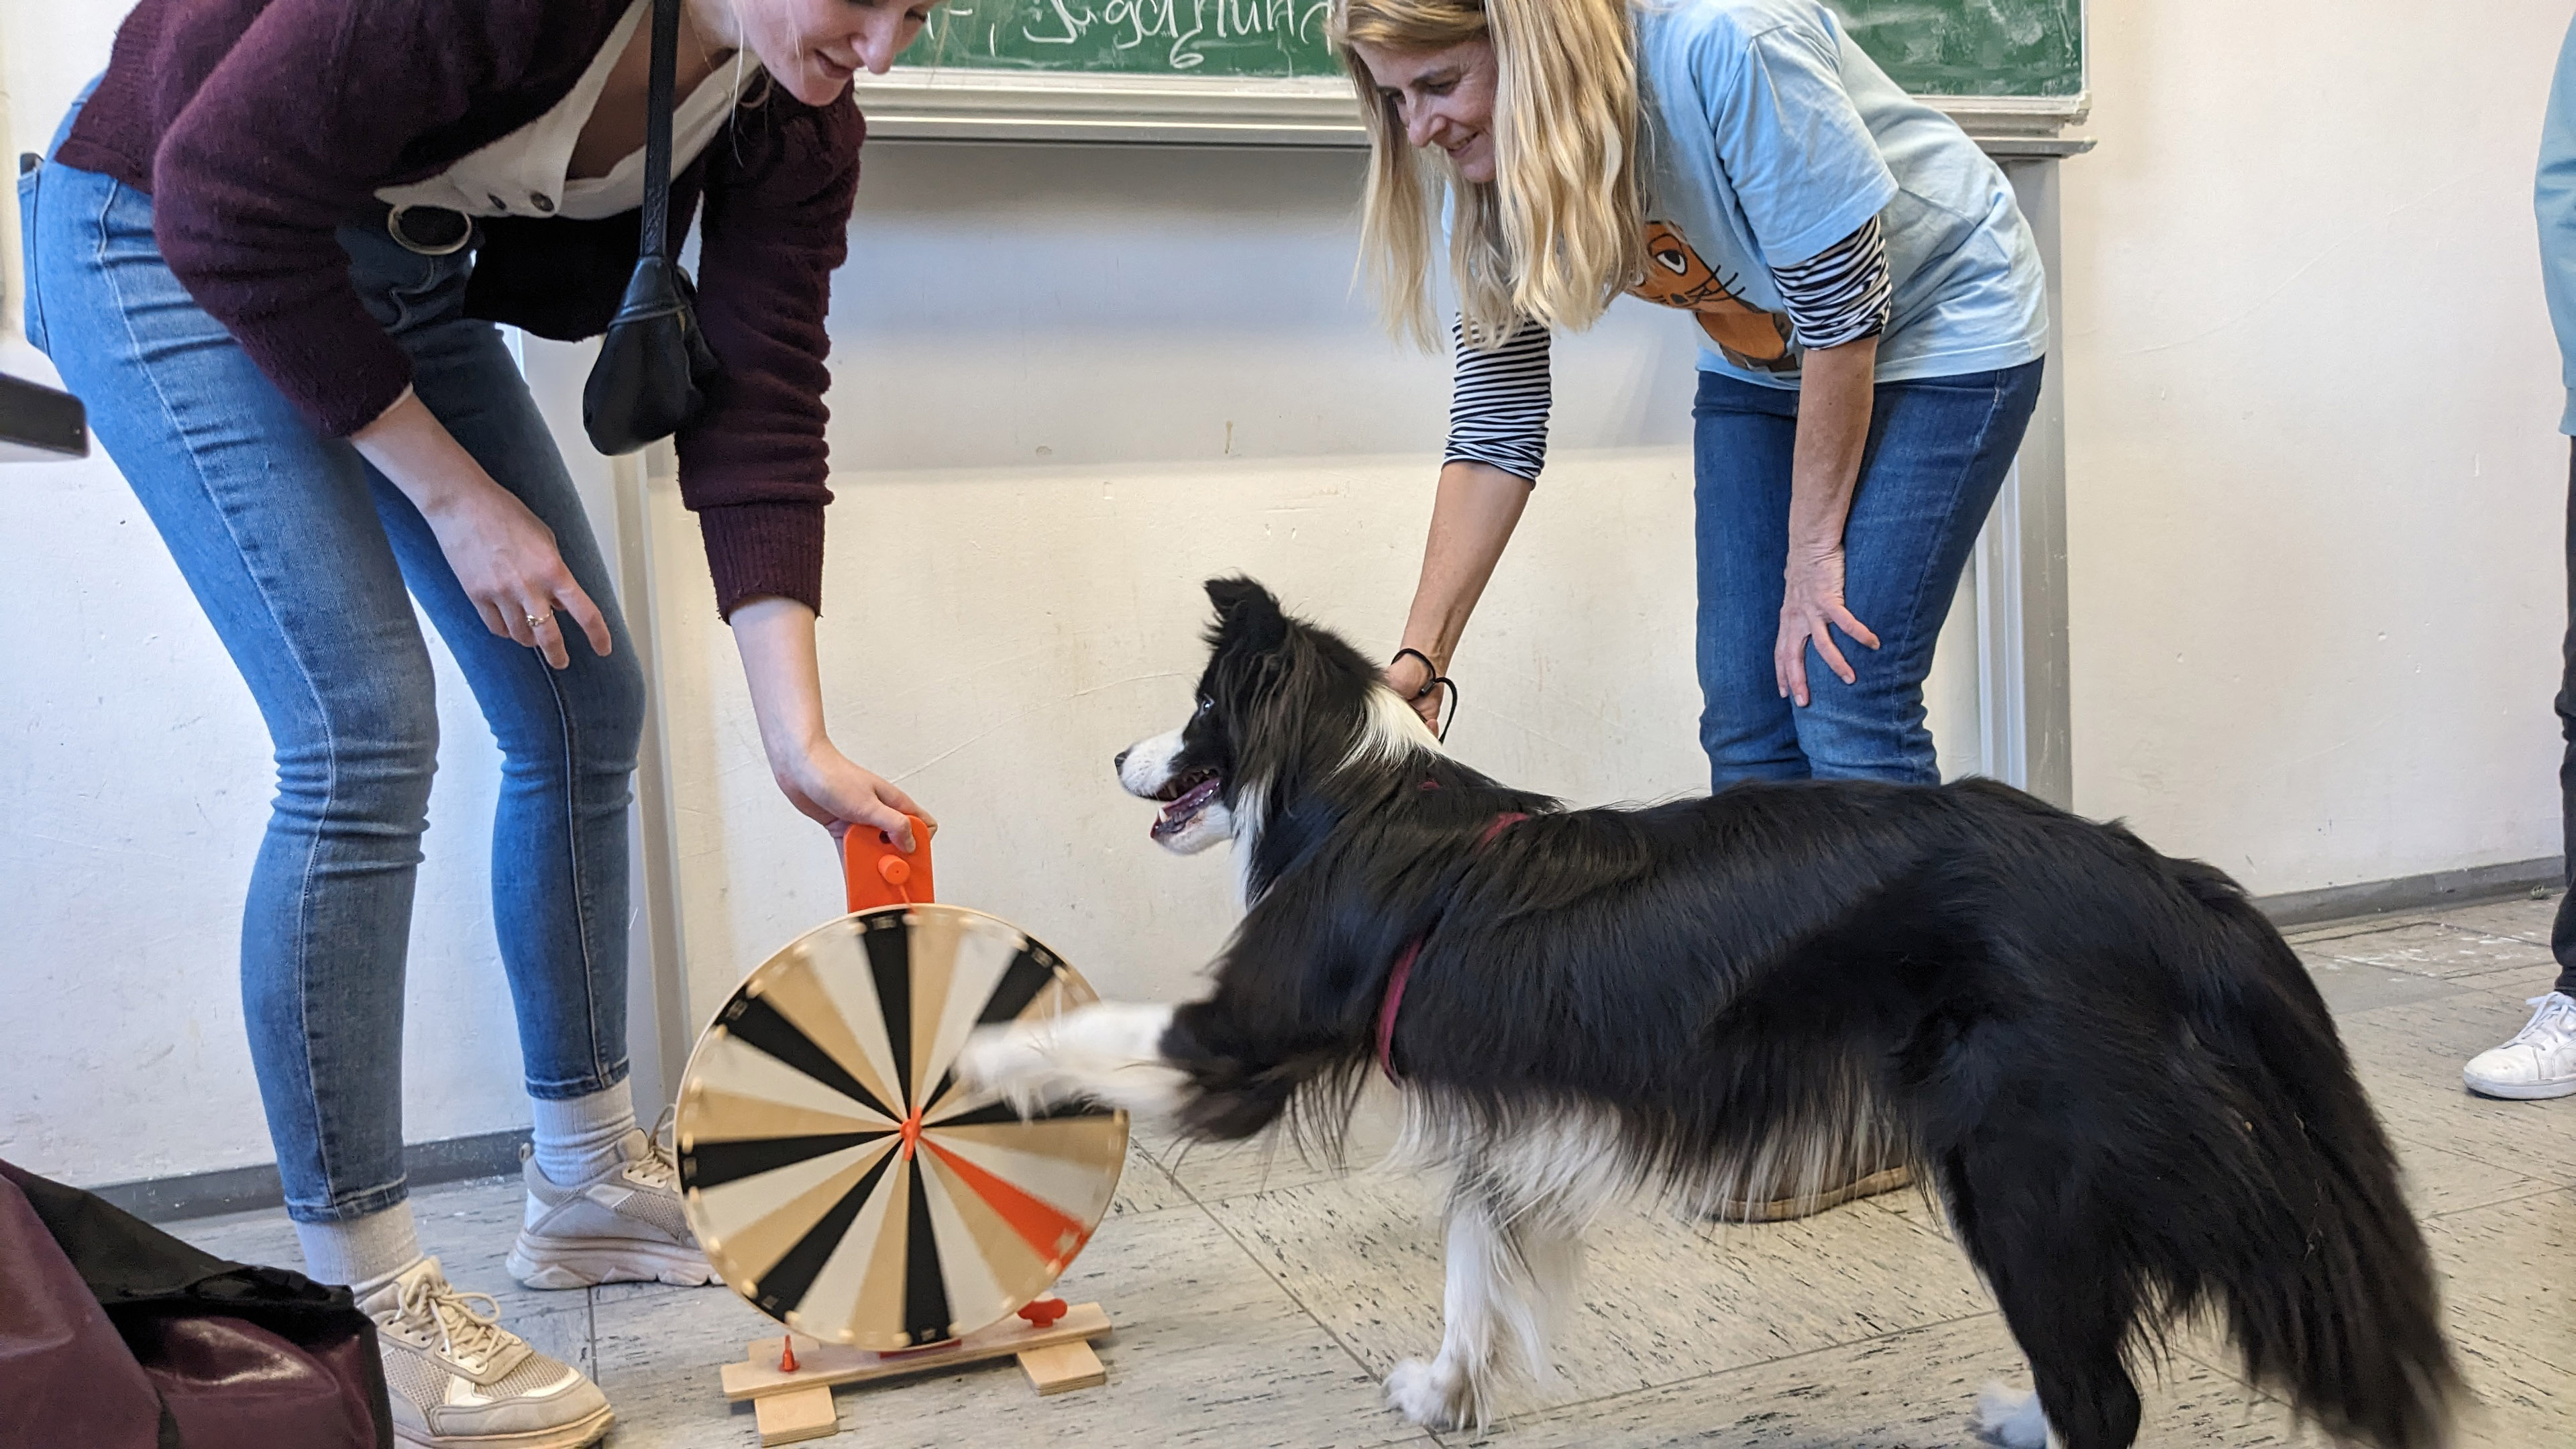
(1437, 679)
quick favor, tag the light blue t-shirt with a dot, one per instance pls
(1770, 136)
(2555, 199)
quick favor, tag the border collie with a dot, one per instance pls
(2114, 1074)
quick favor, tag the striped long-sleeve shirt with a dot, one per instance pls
(1499, 402)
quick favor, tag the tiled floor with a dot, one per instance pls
(1261, 1300)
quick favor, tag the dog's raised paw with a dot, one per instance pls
(2013, 1420)
(1004, 1059)
(1426, 1395)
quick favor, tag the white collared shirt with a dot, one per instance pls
(528, 172)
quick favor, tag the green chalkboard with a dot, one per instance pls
(1932, 47)
(1266, 39)
(1973, 47)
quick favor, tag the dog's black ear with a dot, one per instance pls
(1248, 616)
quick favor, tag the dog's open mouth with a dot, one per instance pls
(1189, 793)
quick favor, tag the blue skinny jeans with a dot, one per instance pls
(308, 562)
(1939, 449)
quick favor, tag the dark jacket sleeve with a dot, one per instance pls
(781, 182)
(289, 134)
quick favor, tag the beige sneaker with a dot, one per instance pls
(1881, 1169)
(623, 1226)
(1791, 1206)
(462, 1381)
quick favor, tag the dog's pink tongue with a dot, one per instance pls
(1179, 812)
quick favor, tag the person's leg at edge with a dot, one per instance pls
(2539, 1062)
(1743, 438)
(2562, 933)
(275, 531)
(1746, 445)
(1938, 454)
(275, 534)
(603, 1199)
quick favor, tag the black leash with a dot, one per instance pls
(1438, 680)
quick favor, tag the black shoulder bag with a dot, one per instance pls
(654, 365)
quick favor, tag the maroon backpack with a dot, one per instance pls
(116, 1335)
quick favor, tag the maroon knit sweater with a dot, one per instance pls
(259, 126)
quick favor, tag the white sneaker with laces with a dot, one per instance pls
(623, 1226)
(2539, 1062)
(460, 1380)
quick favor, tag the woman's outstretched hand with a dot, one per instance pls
(840, 796)
(1810, 610)
(1410, 677)
(776, 636)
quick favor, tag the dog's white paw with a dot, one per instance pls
(995, 1056)
(1103, 1053)
(1430, 1395)
(2013, 1419)
(1015, 1061)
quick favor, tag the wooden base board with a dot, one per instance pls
(797, 1415)
(796, 1405)
(831, 1363)
(1062, 1366)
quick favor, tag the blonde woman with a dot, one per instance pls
(1868, 295)
(1872, 323)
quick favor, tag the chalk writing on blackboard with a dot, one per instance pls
(1931, 47)
(1270, 38)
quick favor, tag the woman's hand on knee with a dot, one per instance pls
(506, 560)
(503, 554)
(1811, 608)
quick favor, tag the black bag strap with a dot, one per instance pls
(657, 130)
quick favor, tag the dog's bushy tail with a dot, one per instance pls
(2327, 1288)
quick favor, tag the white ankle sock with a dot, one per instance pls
(577, 1137)
(364, 1250)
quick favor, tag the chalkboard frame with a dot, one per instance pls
(981, 105)
(953, 103)
(962, 103)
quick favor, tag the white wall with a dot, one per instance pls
(1070, 385)
(2316, 495)
(133, 790)
(2313, 521)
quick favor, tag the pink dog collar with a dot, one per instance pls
(1402, 975)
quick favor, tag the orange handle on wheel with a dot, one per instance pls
(879, 873)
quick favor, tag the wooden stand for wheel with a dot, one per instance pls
(795, 1404)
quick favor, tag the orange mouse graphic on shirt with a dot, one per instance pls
(1676, 277)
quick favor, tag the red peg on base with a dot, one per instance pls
(1043, 1312)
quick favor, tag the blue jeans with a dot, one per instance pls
(1939, 449)
(307, 563)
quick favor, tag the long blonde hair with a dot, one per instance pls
(1560, 231)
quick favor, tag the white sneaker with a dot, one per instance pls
(461, 1381)
(623, 1226)
(2539, 1062)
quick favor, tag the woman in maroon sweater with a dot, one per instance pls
(270, 250)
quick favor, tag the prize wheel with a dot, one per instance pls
(835, 1172)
